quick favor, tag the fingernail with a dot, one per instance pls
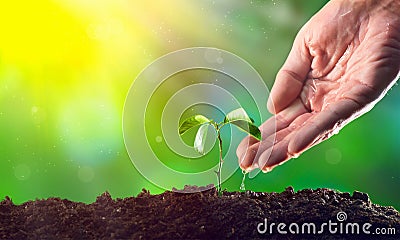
(255, 165)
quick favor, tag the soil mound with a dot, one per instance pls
(203, 215)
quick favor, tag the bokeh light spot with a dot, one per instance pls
(86, 174)
(90, 130)
(22, 172)
(159, 139)
(333, 156)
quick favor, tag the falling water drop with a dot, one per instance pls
(242, 186)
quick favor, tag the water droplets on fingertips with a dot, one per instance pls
(294, 155)
(267, 169)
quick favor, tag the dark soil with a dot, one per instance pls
(199, 215)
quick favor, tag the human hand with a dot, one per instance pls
(343, 61)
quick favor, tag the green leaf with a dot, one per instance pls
(200, 139)
(238, 114)
(248, 127)
(192, 122)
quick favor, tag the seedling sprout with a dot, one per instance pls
(237, 117)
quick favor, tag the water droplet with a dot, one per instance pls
(22, 172)
(242, 186)
(267, 169)
(295, 155)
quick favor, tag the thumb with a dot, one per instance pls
(290, 78)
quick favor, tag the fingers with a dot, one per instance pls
(250, 160)
(290, 78)
(278, 153)
(304, 131)
(267, 128)
(249, 149)
(323, 125)
(272, 151)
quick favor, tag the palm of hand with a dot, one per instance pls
(343, 61)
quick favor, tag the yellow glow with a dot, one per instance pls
(37, 31)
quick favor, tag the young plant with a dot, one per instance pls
(237, 117)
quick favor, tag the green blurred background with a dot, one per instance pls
(66, 67)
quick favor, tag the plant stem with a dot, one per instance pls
(220, 163)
